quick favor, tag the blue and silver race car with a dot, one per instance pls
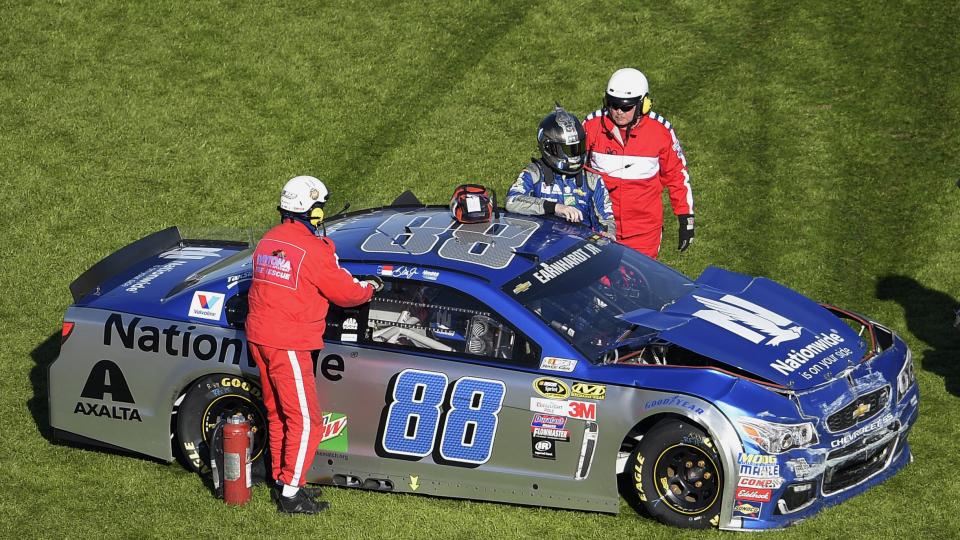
(523, 360)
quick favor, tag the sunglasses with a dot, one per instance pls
(625, 107)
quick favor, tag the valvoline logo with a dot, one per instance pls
(207, 305)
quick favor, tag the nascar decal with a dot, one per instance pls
(278, 262)
(549, 387)
(552, 363)
(334, 437)
(426, 414)
(206, 305)
(571, 409)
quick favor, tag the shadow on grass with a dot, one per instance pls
(43, 355)
(929, 315)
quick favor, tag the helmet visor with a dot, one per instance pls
(573, 151)
(621, 104)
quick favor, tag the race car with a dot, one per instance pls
(520, 360)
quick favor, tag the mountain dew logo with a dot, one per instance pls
(334, 438)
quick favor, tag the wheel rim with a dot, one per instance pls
(687, 479)
(225, 406)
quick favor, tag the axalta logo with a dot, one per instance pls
(747, 320)
(105, 379)
(191, 253)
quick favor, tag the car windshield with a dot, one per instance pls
(582, 292)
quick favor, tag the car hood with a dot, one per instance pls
(757, 326)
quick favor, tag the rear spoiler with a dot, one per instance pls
(111, 265)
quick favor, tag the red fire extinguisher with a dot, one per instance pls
(236, 460)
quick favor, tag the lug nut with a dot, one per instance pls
(689, 464)
(706, 476)
(701, 463)
(698, 483)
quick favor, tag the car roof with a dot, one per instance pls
(429, 236)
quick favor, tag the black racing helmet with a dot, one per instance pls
(562, 142)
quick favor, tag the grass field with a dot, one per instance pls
(822, 139)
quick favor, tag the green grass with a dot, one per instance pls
(822, 139)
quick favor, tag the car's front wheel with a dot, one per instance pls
(676, 475)
(206, 402)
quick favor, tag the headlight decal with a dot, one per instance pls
(776, 438)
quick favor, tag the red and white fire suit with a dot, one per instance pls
(295, 275)
(636, 164)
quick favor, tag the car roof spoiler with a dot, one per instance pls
(111, 265)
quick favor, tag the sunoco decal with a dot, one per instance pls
(747, 509)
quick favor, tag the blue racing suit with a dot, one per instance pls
(539, 188)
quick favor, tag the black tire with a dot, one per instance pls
(206, 402)
(676, 476)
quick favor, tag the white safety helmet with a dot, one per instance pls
(628, 83)
(302, 193)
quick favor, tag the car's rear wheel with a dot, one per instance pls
(676, 475)
(206, 402)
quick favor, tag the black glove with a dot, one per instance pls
(375, 282)
(686, 231)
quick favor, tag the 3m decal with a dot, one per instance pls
(571, 409)
(106, 379)
(417, 408)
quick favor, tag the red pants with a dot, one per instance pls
(290, 395)
(647, 243)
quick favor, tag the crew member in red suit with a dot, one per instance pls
(295, 276)
(638, 154)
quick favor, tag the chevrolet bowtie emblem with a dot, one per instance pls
(861, 410)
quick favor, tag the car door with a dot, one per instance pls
(427, 389)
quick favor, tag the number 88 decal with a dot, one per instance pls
(415, 415)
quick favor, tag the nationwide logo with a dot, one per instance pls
(141, 280)
(797, 358)
(191, 253)
(175, 340)
(207, 305)
(747, 320)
